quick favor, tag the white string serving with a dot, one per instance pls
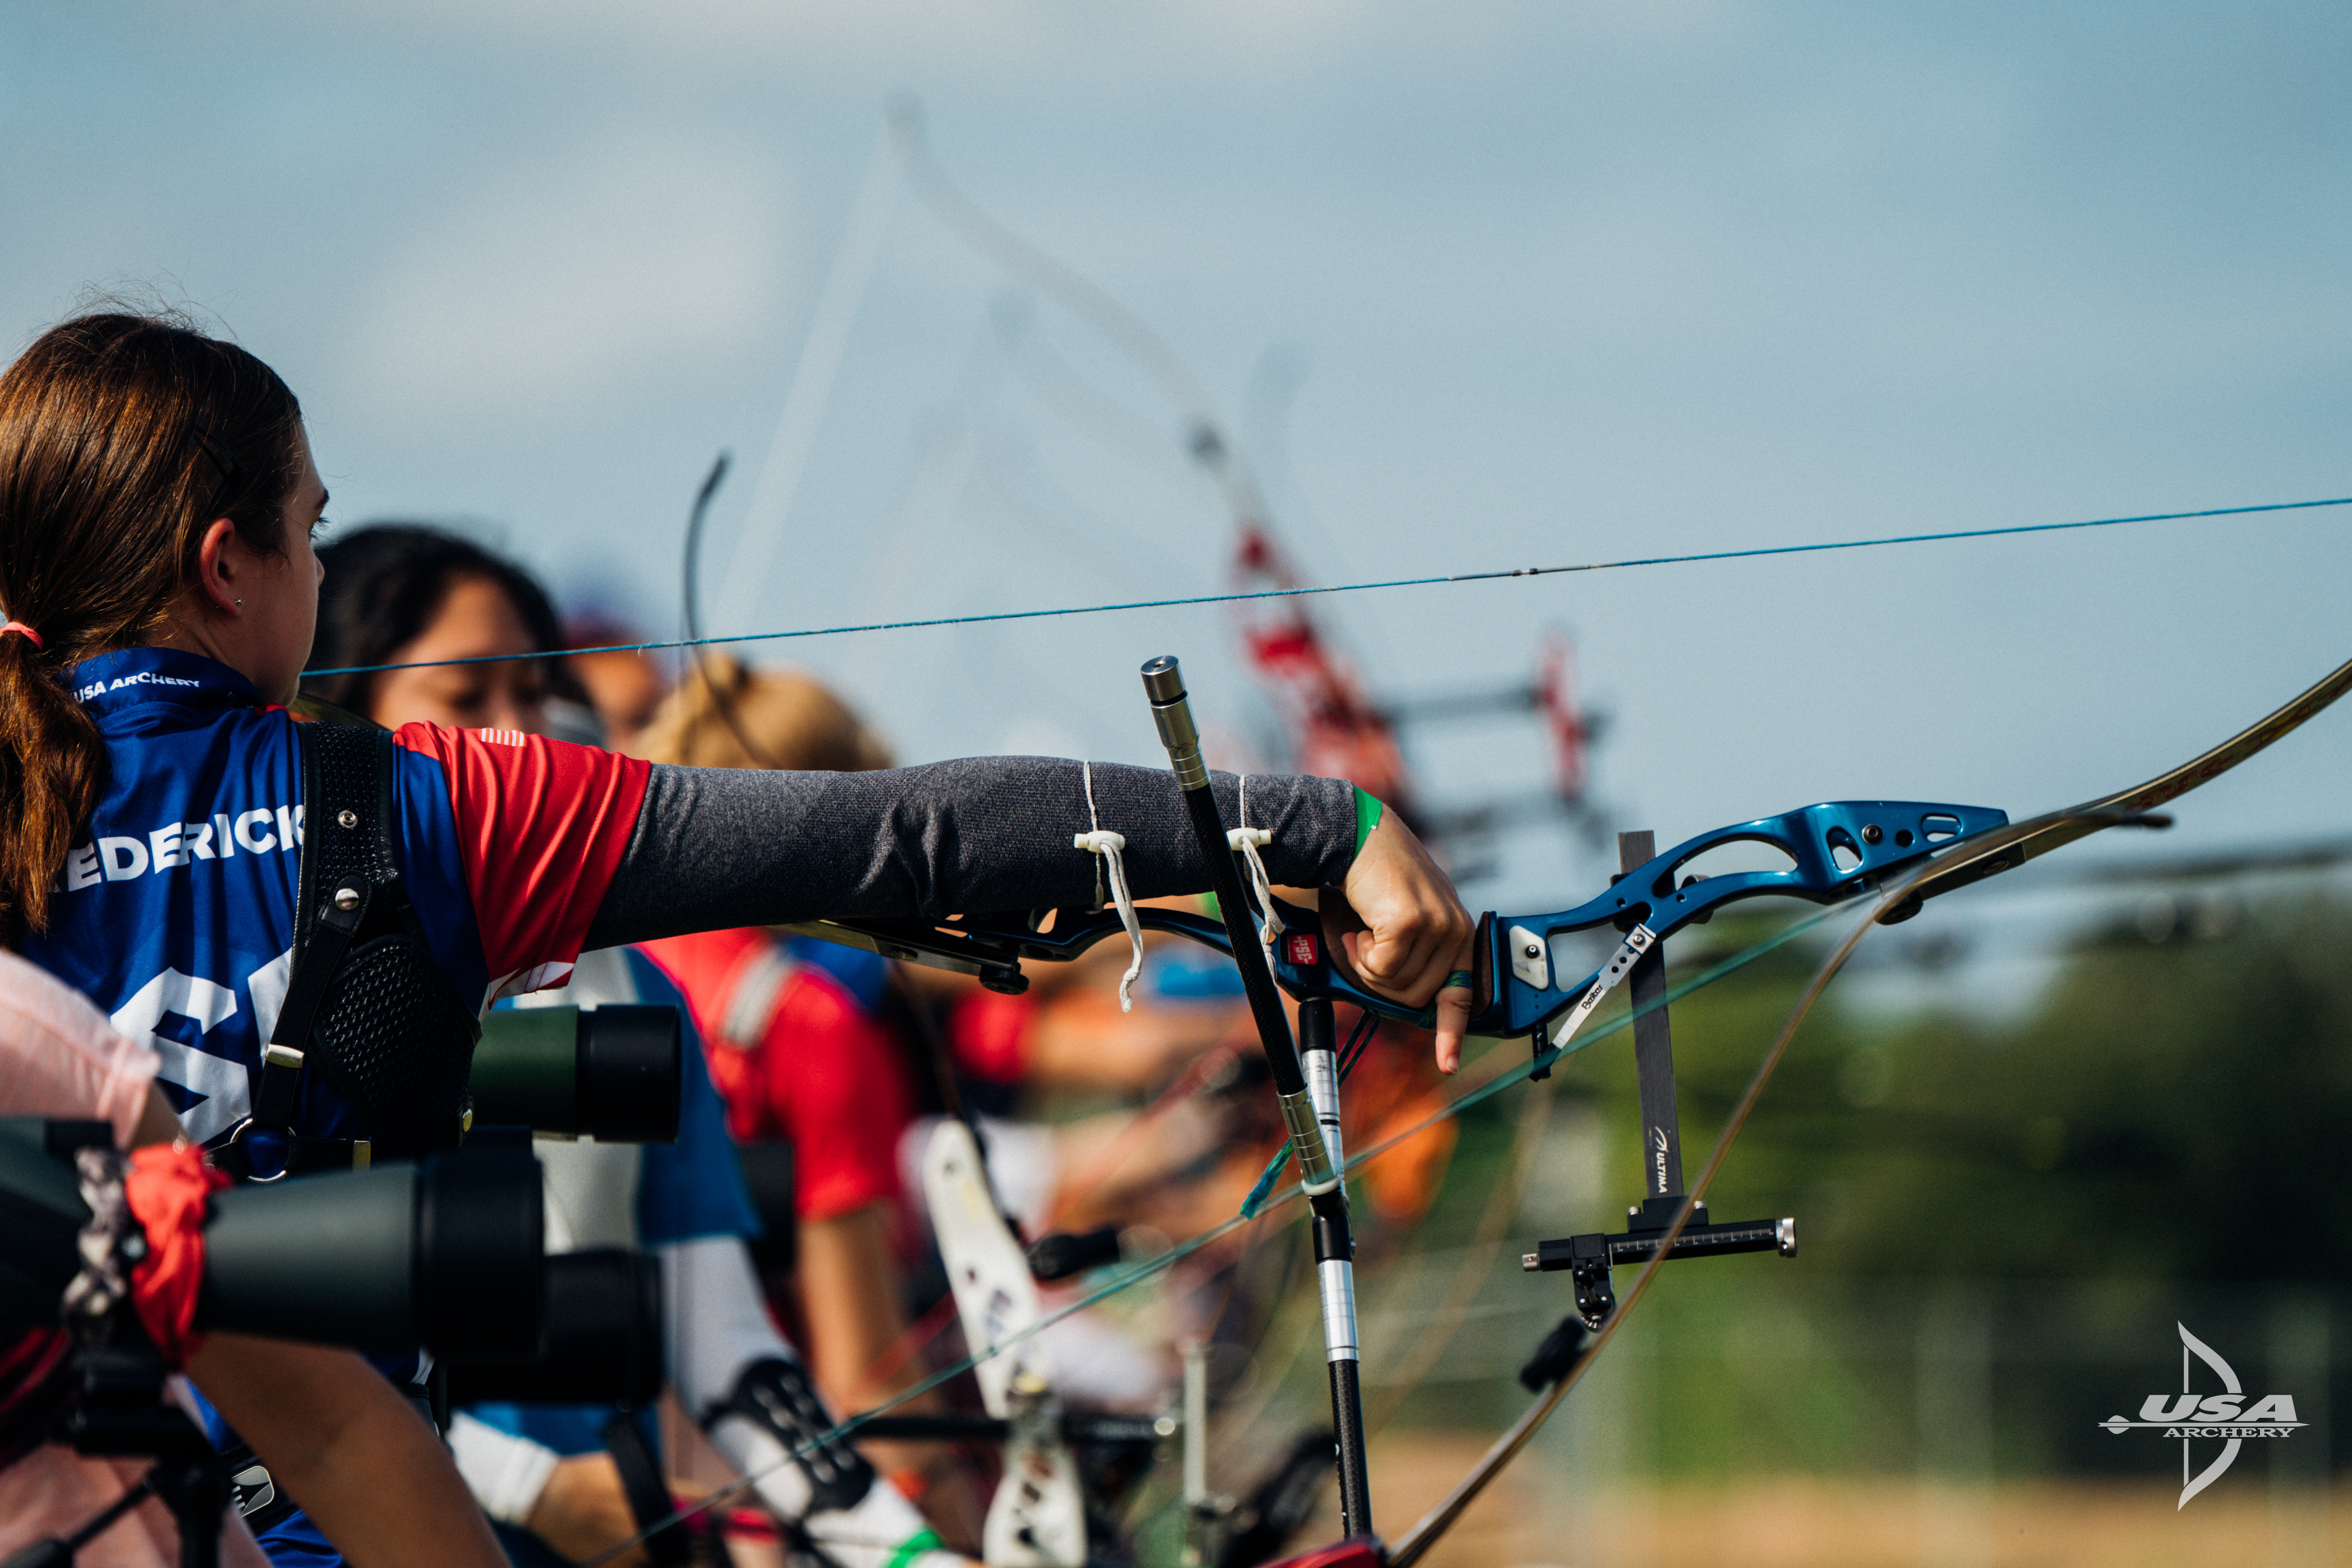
(1247, 841)
(1110, 848)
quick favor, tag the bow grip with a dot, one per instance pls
(1318, 966)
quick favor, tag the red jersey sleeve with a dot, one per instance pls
(541, 826)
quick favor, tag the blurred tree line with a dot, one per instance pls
(2158, 1137)
(2171, 1110)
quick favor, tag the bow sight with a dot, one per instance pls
(1589, 1259)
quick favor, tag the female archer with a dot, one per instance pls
(157, 501)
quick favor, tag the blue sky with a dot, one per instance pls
(1474, 286)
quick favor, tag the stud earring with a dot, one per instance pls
(240, 604)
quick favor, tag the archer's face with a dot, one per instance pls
(281, 609)
(476, 620)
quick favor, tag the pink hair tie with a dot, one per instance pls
(21, 626)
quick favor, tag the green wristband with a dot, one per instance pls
(1368, 816)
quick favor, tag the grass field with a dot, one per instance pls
(1532, 1520)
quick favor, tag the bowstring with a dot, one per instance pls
(1358, 1041)
(1477, 1264)
(1303, 592)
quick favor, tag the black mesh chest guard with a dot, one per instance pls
(389, 1029)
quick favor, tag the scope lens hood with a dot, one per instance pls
(480, 1262)
(631, 1059)
(445, 1255)
(601, 1341)
(328, 1259)
(609, 1073)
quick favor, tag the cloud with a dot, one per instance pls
(548, 282)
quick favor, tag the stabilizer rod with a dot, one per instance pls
(1308, 1088)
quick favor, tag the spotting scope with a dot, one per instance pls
(446, 1253)
(606, 1073)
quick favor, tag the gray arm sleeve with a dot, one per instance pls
(718, 847)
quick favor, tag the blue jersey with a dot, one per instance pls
(175, 911)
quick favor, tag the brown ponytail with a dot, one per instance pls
(121, 438)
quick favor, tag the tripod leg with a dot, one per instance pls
(194, 1484)
(58, 1552)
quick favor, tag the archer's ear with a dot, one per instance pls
(220, 562)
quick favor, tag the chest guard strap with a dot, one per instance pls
(366, 1004)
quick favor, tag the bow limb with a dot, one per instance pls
(2041, 835)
